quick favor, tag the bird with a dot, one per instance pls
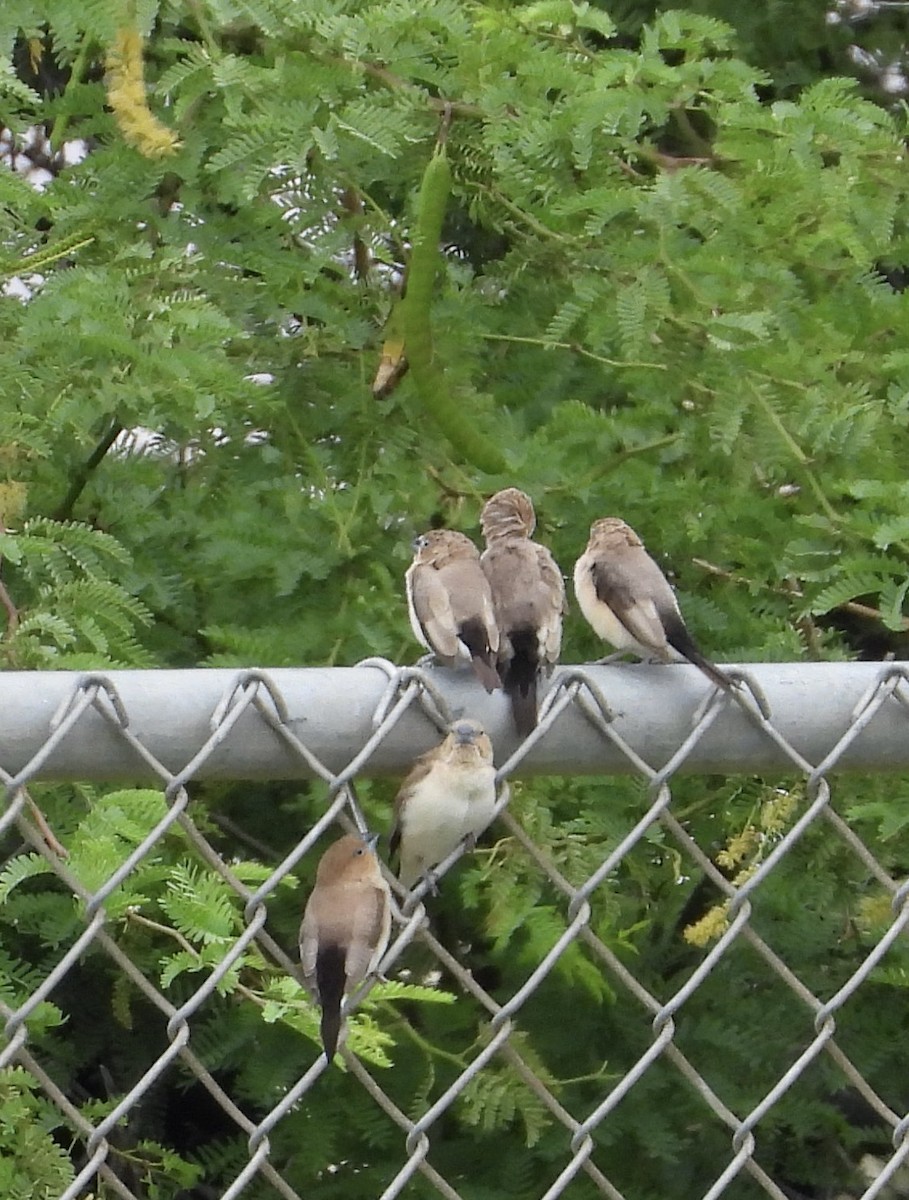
(629, 602)
(346, 927)
(449, 795)
(528, 595)
(450, 604)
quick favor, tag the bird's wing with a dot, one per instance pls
(470, 597)
(309, 947)
(487, 615)
(418, 772)
(551, 604)
(528, 594)
(509, 565)
(431, 610)
(369, 935)
(497, 562)
(637, 592)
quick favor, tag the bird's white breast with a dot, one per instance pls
(599, 615)
(443, 808)
(411, 611)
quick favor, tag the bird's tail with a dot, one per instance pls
(473, 635)
(681, 640)
(330, 980)
(713, 673)
(520, 679)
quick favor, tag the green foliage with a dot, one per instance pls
(495, 1098)
(666, 285)
(32, 1164)
(79, 613)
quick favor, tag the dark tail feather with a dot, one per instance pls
(680, 639)
(486, 673)
(330, 980)
(473, 635)
(520, 680)
(714, 674)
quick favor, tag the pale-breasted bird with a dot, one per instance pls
(450, 604)
(449, 795)
(346, 926)
(630, 603)
(528, 595)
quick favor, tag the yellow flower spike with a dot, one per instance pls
(126, 96)
(708, 928)
(739, 847)
(776, 813)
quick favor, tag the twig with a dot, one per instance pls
(395, 83)
(694, 139)
(546, 344)
(798, 453)
(849, 606)
(529, 219)
(47, 835)
(352, 205)
(58, 134)
(50, 839)
(5, 599)
(11, 611)
(805, 625)
(80, 479)
(183, 942)
(246, 839)
(865, 610)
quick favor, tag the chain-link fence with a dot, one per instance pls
(802, 722)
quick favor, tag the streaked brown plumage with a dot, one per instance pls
(629, 602)
(449, 795)
(345, 929)
(528, 595)
(450, 604)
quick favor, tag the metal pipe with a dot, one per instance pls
(812, 705)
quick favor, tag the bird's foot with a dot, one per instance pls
(431, 880)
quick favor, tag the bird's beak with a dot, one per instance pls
(371, 840)
(465, 734)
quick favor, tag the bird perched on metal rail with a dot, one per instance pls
(449, 795)
(629, 602)
(345, 929)
(528, 595)
(450, 604)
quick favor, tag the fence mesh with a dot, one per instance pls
(106, 921)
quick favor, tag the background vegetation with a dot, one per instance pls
(671, 290)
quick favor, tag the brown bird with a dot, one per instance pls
(346, 926)
(450, 604)
(528, 594)
(449, 795)
(630, 603)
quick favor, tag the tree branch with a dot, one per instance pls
(849, 606)
(64, 510)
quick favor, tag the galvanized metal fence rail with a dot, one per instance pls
(178, 727)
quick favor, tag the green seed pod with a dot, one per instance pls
(424, 254)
